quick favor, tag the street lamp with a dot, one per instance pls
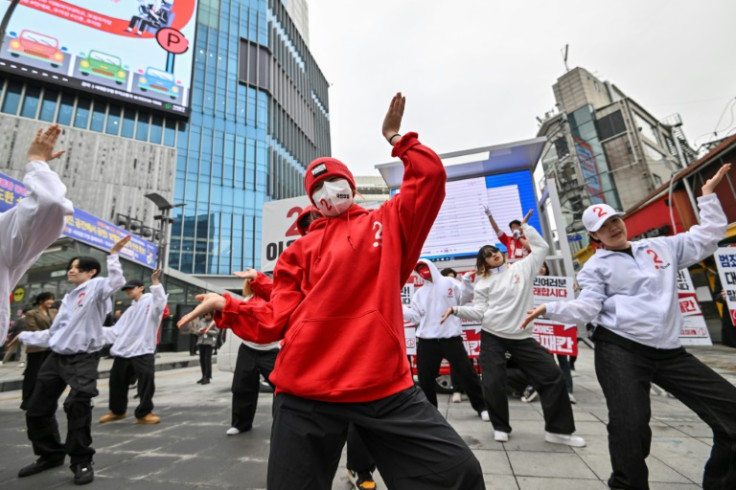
(6, 20)
(164, 219)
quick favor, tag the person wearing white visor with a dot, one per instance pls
(629, 292)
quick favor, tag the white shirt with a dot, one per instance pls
(502, 299)
(136, 330)
(431, 301)
(262, 347)
(28, 228)
(636, 297)
(77, 327)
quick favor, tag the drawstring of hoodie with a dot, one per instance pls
(324, 234)
(350, 241)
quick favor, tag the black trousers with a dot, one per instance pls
(413, 445)
(430, 353)
(79, 372)
(249, 367)
(359, 458)
(124, 371)
(543, 373)
(626, 377)
(205, 360)
(34, 361)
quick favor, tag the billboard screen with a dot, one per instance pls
(137, 51)
(462, 227)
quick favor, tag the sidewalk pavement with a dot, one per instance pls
(189, 449)
(11, 373)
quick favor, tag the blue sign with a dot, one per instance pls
(84, 227)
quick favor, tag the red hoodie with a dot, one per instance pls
(336, 298)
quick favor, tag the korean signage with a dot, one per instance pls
(139, 52)
(726, 262)
(558, 338)
(84, 227)
(694, 330)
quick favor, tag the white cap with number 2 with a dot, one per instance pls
(597, 214)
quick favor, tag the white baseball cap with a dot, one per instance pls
(597, 214)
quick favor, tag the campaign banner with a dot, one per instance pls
(279, 228)
(726, 262)
(558, 338)
(84, 227)
(137, 52)
(694, 329)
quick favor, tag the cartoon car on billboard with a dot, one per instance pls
(103, 65)
(37, 46)
(159, 81)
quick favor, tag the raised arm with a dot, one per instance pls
(487, 210)
(115, 279)
(158, 293)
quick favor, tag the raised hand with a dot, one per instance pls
(527, 216)
(711, 184)
(118, 246)
(154, 277)
(207, 302)
(42, 146)
(392, 121)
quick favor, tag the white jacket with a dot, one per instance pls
(502, 299)
(77, 327)
(28, 228)
(136, 330)
(431, 301)
(636, 298)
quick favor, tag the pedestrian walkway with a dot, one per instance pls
(189, 448)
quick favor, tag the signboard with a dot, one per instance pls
(694, 329)
(85, 227)
(591, 175)
(726, 262)
(279, 228)
(140, 52)
(558, 338)
(462, 227)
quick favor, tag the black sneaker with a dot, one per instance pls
(361, 480)
(38, 466)
(83, 473)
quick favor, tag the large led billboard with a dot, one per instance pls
(461, 227)
(138, 51)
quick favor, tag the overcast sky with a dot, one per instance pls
(478, 72)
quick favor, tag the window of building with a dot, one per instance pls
(170, 132)
(128, 126)
(31, 101)
(12, 97)
(113, 120)
(82, 114)
(98, 117)
(48, 105)
(157, 128)
(657, 179)
(611, 125)
(141, 129)
(66, 110)
(645, 129)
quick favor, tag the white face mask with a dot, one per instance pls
(334, 197)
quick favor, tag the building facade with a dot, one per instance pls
(604, 147)
(259, 114)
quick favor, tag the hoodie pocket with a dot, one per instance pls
(339, 356)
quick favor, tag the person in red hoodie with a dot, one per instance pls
(336, 303)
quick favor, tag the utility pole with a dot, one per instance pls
(6, 20)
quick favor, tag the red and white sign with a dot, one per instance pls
(279, 228)
(726, 262)
(558, 338)
(694, 330)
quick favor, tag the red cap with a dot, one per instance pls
(423, 271)
(324, 168)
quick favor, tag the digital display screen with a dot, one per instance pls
(137, 51)
(462, 226)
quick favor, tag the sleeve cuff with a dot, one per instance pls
(406, 142)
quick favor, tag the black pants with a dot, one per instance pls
(566, 368)
(430, 353)
(359, 458)
(124, 371)
(543, 373)
(413, 445)
(626, 377)
(205, 360)
(79, 371)
(34, 361)
(249, 367)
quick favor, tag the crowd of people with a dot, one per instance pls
(315, 340)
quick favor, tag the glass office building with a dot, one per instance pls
(259, 115)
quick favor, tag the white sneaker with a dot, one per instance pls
(572, 398)
(232, 431)
(456, 397)
(484, 416)
(500, 436)
(565, 439)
